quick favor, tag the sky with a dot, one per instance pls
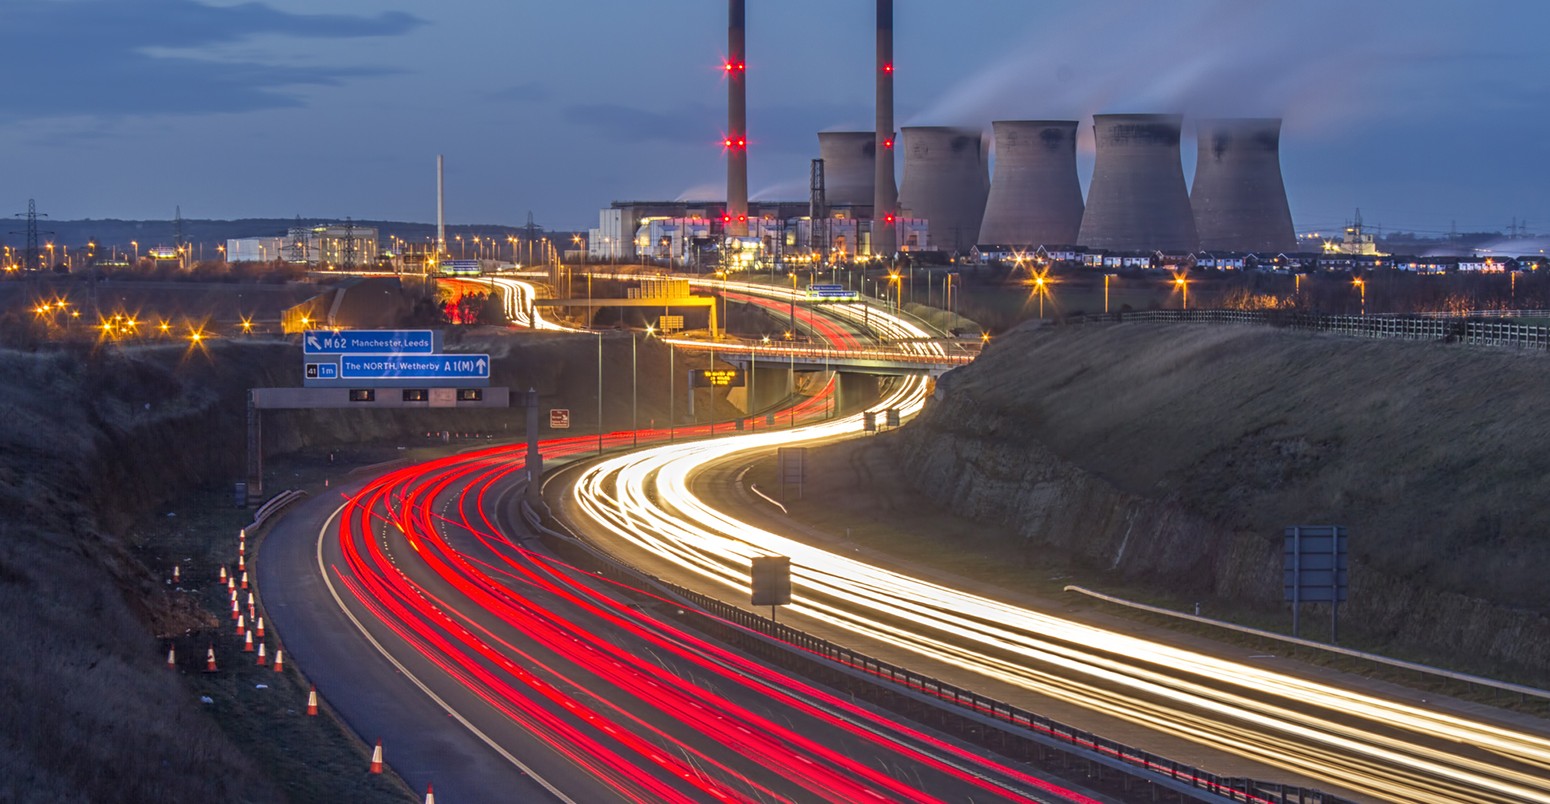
(1426, 114)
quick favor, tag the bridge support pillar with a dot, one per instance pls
(856, 391)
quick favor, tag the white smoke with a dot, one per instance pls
(1314, 62)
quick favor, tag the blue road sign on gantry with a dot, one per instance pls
(414, 367)
(368, 342)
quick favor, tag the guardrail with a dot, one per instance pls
(1375, 658)
(1043, 731)
(780, 353)
(1479, 331)
(273, 506)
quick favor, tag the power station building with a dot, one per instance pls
(336, 245)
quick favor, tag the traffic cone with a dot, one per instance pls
(176, 574)
(312, 702)
(210, 660)
(172, 658)
(376, 758)
(279, 660)
(233, 595)
(242, 533)
(241, 624)
(251, 599)
(244, 580)
(430, 794)
(235, 612)
(263, 658)
(259, 629)
(247, 646)
(223, 573)
(231, 582)
(242, 563)
(242, 546)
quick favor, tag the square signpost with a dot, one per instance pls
(1315, 570)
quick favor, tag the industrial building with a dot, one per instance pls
(1035, 195)
(946, 181)
(337, 245)
(1137, 199)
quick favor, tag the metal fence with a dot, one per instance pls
(1145, 767)
(1495, 330)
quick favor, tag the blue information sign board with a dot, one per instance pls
(368, 342)
(413, 367)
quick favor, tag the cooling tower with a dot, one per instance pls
(1238, 196)
(1137, 200)
(885, 194)
(849, 167)
(1035, 195)
(737, 123)
(945, 182)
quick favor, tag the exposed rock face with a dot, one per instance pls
(1174, 455)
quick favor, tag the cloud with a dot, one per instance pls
(113, 58)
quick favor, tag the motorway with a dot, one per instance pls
(496, 672)
(1373, 747)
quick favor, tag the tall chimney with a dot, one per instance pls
(1238, 196)
(441, 209)
(737, 123)
(885, 193)
(1035, 196)
(1137, 200)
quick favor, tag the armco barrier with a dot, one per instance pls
(1009, 720)
(275, 505)
(1478, 329)
(1479, 681)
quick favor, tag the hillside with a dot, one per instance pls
(94, 442)
(1172, 456)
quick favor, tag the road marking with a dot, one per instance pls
(521, 766)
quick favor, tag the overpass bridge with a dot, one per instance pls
(917, 357)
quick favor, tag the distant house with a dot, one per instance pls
(985, 254)
(1540, 263)
(1221, 260)
(1427, 265)
(1095, 257)
(1173, 261)
(1486, 265)
(1061, 253)
(1121, 260)
(1337, 262)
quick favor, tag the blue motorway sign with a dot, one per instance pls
(368, 342)
(414, 367)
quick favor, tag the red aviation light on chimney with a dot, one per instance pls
(742, 219)
(735, 66)
(888, 218)
(731, 143)
(725, 218)
(888, 143)
(888, 68)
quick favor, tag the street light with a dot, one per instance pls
(634, 395)
(1106, 278)
(1361, 288)
(1183, 285)
(600, 393)
(1038, 290)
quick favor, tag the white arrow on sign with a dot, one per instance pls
(312, 341)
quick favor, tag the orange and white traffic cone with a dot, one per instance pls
(235, 612)
(241, 625)
(242, 546)
(231, 582)
(259, 629)
(244, 580)
(263, 658)
(242, 533)
(177, 575)
(279, 660)
(430, 794)
(172, 658)
(247, 646)
(210, 660)
(242, 564)
(376, 758)
(223, 573)
(312, 702)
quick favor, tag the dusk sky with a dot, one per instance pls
(1423, 113)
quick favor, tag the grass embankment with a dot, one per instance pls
(1202, 443)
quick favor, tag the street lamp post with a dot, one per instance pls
(1183, 285)
(1106, 278)
(1038, 289)
(600, 393)
(634, 395)
(1361, 288)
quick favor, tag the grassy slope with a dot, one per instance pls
(1433, 455)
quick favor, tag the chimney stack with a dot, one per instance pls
(1035, 195)
(885, 193)
(737, 123)
(1137, 200)
(1238, 197)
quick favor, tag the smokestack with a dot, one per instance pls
(737, 123)
(1035, 195)
(1238, 196)
(441, 208)
(885, 194)
(849, 166)
(1137, 200)
(945, 182)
